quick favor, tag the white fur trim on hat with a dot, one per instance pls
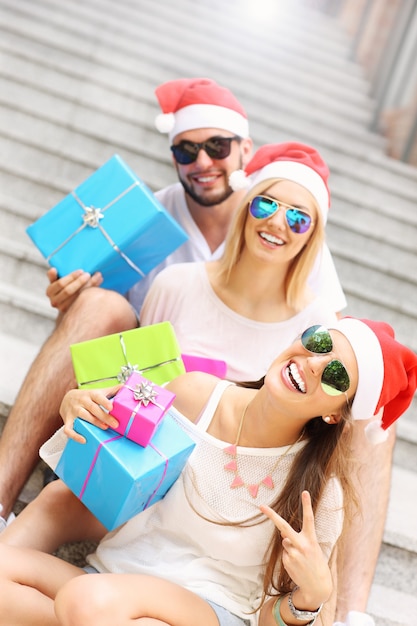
(370, 363)
(209, 116)
(298, 173)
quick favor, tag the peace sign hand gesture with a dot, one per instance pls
(303, 558)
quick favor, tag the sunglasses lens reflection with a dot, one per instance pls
(317, 339)
(298, 221)
(334, 379)
(262, 207)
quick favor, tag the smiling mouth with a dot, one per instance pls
(295, 378)
(277, 241)
(204, 180)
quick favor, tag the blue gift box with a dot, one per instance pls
(111, 223)
(116, 478)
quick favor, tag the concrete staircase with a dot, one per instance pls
(76, 86)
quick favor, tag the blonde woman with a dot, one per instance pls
(253, 301)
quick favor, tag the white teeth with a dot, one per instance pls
(206, 179)
(296, 378)
(275, 240)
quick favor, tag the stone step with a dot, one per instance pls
(22, 78)
(21, 103)
(84, 22)
(25, 315)
(392, 607)
(393, 598)
(22, 266)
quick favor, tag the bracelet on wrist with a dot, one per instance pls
(301, 614)
(276, 613)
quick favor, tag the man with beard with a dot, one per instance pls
(209, 134)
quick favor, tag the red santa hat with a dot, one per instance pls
(293, 161)
(387, 374)
(190, 103)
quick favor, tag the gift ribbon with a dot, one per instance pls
(161, 480)
(94, 461)
(91, 218)
(145, 394)
(128, 369)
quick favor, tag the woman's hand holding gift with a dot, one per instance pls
(91, 405)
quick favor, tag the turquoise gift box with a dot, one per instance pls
(116, 478)
(111, 223)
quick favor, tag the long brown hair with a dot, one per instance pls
(325, 455)
(301, 265)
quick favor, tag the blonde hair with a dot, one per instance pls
(301, 265)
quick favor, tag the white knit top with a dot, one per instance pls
(205, 326)
(183, 537)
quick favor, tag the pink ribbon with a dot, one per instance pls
(155, 491)
(94, 461)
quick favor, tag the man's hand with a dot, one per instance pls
(62, 292)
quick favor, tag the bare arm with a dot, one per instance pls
(365, 532)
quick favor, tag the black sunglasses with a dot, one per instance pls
(334, 379)
(262, 207)
(186, 152)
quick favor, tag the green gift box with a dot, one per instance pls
(106, 361)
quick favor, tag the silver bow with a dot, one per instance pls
(125, 372)
(92, 216)
(145, 393)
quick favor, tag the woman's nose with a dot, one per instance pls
(278, 219)
(318, 362)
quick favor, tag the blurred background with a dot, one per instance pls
(77, 80)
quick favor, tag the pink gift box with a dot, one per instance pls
(203, 364)
(139, 407)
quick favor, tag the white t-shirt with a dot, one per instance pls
(177, 540)
(205, 326)
(323, 279)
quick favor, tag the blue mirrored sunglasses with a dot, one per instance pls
(334, 379)
(262, 207)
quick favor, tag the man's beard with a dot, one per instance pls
(202, 200)
(205, 201)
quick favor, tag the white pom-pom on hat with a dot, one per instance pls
(238, 180)
(164, 122)
(375, 433)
